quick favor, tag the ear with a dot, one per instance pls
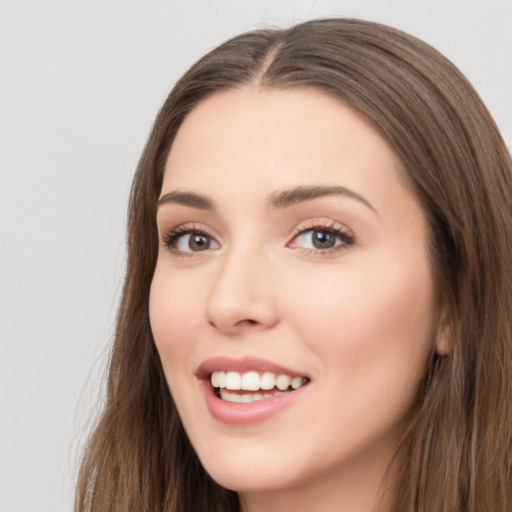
(444, 336)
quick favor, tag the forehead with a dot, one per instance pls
(249, 141)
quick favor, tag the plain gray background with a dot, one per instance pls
(80, 84)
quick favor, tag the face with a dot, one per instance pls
(293, 273)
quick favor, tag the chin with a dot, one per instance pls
(250, 470)
(247, 481)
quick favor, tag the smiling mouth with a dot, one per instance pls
(253, 386)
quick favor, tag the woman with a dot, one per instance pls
(316, 313)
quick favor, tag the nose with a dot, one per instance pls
(243, 296)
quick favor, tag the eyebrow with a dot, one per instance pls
(186, 199)
(279, 199)
(286, 198)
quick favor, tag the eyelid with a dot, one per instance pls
(170, 236)
(345, 236)
(340, 231)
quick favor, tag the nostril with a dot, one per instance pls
(247, 321)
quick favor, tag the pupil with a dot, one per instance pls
(199, 242)
(323, 240)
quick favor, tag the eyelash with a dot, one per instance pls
(173, 236)
(347, 239)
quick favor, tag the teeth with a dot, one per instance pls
(268, 381)
(239, 399)
(283, 382)
(247, 398)
(218, 379)
(296, 382)
(233, 380)
(253, 381)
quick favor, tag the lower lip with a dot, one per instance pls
(253, 412)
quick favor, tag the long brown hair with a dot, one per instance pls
(457, 452)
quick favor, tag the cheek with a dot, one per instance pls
(371, 333)
(173, 316)
(378, 317)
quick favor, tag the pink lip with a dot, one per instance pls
(244, 364)
(245, 413)
(253, 412)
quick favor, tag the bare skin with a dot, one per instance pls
(333, 282)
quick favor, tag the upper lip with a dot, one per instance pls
(242, 365)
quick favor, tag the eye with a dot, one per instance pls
(184, 240)
(322, 239)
